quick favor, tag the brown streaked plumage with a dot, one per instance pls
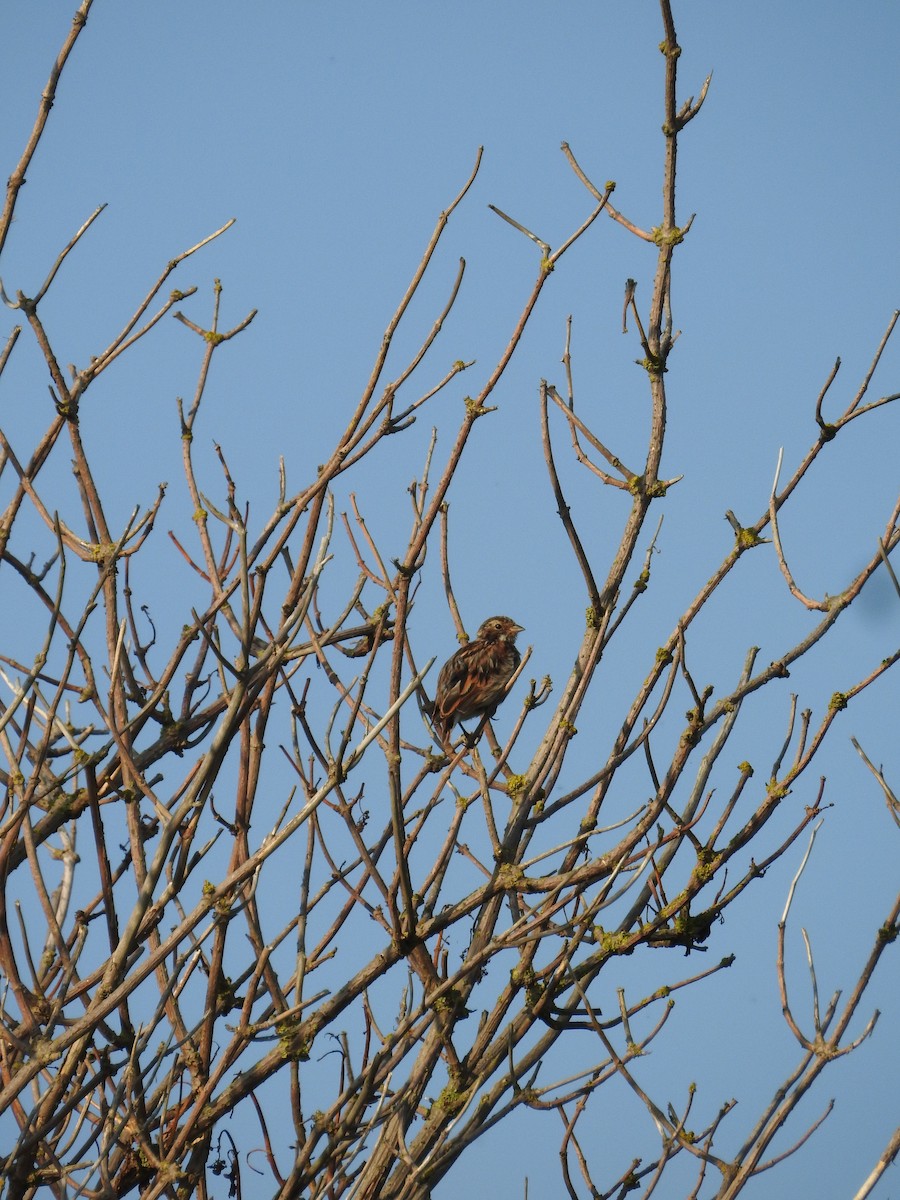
(473, 681)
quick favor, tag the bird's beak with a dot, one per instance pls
(518, 629)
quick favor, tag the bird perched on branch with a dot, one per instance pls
(473, 681)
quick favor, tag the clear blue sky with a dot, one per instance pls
(335, 134)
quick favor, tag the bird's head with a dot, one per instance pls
(496, 629)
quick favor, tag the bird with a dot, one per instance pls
(472, 682)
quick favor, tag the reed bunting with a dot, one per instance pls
(473, 681)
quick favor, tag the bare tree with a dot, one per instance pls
(174, 954)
